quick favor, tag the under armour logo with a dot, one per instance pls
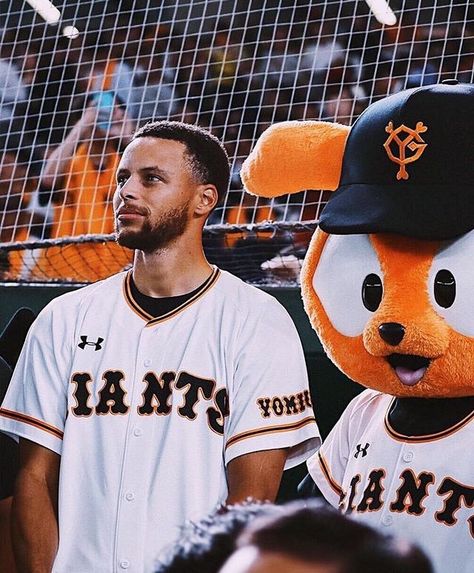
(84, 342)
(361, 450)
(413, 141)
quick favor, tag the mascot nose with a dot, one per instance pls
(392, 332)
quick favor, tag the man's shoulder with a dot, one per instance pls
(240, 290)
(252, 306)
(74, 298)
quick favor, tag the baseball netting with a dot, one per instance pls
(72, 90)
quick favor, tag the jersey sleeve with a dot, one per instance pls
(270, 404)
(327, 467)
(35, 404)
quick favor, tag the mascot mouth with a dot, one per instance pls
(409, 368)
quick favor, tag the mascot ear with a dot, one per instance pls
(295, 155)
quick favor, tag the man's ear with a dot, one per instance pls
(207, 199)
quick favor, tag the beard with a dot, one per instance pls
(155, 235)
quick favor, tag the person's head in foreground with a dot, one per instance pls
(204, 546)
(170, 178)
(309, 537)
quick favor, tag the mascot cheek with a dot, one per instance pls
(451, 290)
(452, 376)
(348, 282)
(332, 282)
(451, 284)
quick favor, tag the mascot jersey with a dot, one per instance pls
(402, 483)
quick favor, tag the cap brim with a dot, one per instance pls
(432, 212)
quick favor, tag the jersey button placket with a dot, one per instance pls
(133, 507)
(387, 520)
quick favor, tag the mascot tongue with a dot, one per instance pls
(409, 377)
(409, 368)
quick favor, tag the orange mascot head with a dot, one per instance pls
(388, 279)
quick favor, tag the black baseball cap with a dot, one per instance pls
(408, 166)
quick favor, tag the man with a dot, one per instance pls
(144, 400)
(315, 538)
(205, 545)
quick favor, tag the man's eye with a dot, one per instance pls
(121, 181)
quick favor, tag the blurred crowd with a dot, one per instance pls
(68, 106)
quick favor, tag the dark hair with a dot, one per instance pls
(314, 532)
(207, 156)
(205, 545)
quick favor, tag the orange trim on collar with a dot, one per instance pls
(151, 320)
(428, 437)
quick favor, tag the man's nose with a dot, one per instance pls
(129, 189)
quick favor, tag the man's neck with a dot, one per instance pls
(170, 272)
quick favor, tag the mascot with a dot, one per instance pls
(388, 285)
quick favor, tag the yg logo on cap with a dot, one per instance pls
(396, 145)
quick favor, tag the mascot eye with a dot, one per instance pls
(444, 288)
(347, 264)
(451, 283)
(372, 291)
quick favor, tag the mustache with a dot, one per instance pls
(131, 210)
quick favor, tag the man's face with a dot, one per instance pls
(251, 560)
(154, 196)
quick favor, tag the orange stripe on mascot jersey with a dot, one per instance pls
(388, 285)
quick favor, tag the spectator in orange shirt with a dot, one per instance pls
(18, 179)
(79, 179)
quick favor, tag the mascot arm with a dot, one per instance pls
(328, 466)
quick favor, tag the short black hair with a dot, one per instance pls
(207, 155)
(314, 532)
(204, 546)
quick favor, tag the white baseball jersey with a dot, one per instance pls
(420, 488)
(146, 413)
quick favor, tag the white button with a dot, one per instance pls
(137, 432)
(129, 496)
(387, 520)
(147, 362)
(124, 564)
(407, 456)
